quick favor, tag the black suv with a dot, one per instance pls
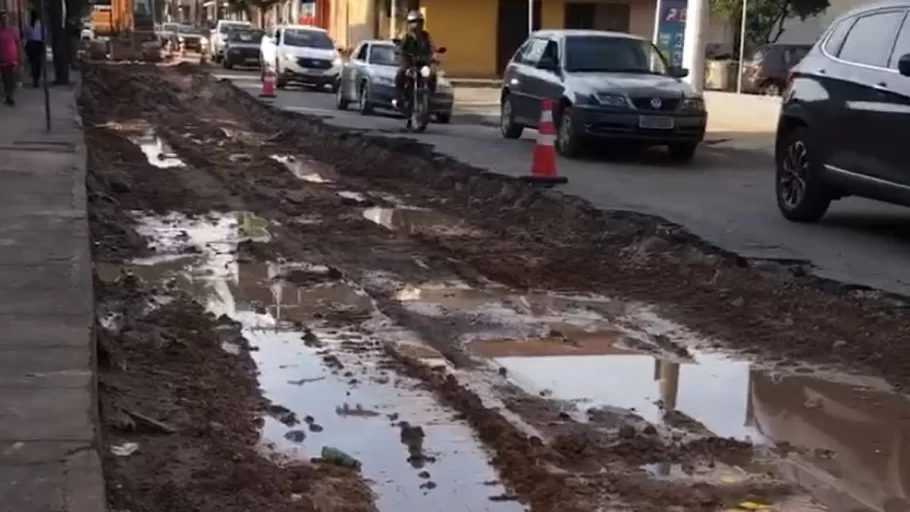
(846, 106)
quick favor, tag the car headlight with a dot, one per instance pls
(203, 40)
(443, 84)
(693, 105)
(337, 62)
(290, 56)
(180, 39)
(612, 100)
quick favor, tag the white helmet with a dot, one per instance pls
(415, 16)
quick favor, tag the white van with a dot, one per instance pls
(218, 36)
(303, 54)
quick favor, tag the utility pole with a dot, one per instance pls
(530, 16)
(694, 45)
(742, 48)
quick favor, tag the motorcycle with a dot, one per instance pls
(417, 89)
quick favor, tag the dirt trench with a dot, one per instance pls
(196, 411)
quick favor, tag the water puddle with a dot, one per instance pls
(301, 169)
(417, 220)
(842, 436)
(340, 394)
(158, 153)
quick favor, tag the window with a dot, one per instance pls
(521, 50)
(361, 53)
(383, 55)
(902, 46)
(551, 52)
(613, 54)
(533, 51)
(869, 41)
(245, 36)
(837, 35)
(307, 39)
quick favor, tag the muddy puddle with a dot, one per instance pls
(306, 171)
(158, 152)
(417, 220)
(842, 437)
(333, 389)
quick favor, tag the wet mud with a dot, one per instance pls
(391, 330)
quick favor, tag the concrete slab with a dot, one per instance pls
(65, 367)
(73, 483)
(33, 413)
(48, 436)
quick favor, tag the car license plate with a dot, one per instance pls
(656, 122)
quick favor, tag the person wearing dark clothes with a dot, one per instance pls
(416, 44)
(34, 47)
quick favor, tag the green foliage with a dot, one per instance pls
(765, 18)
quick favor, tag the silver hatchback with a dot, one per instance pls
(603, 85)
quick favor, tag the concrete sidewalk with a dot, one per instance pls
(48, 437)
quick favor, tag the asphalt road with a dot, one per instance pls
(725, 196)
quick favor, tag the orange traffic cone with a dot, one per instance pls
(543, 166)
(268, 84)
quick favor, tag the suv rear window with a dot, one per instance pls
(869, 41)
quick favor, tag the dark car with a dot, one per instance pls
(242, 48)
(766, 71)
(192, 37)
(607, 86)
(368, 78)
(845, 115)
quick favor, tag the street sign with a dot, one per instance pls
(671, 30)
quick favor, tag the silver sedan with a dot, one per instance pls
(368, 78)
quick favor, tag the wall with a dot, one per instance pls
(468, 31)
(351, 21)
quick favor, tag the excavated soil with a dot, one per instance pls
(167, 363)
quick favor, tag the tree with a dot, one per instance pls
(765, 19)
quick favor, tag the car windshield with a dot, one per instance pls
(227, 27)
(307, 39)
(383, 55)
(186, 29)
(613, 54)
(245, 36)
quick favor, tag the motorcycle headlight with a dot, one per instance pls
(693, 105)
(180, 39)
(425, 71)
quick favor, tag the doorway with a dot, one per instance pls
(512, 28)
(579, 15)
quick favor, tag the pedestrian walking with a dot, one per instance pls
(9, 57)
(35, 48)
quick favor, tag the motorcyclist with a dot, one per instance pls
(415, 46)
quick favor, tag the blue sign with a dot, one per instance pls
(671, 30)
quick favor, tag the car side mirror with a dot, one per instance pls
(903, 64)
(441, 50)
(678, 72)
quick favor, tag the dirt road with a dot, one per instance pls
(295, 317)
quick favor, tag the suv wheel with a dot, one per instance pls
(366, 108)
(507, 125)
(801, 195)
(569, 139)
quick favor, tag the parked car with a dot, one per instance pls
(193, 38)
(302, 54)
(368, 78)
(607, 86)
(766, 71)
(845, 114)
(242, 47)
(219, 34)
